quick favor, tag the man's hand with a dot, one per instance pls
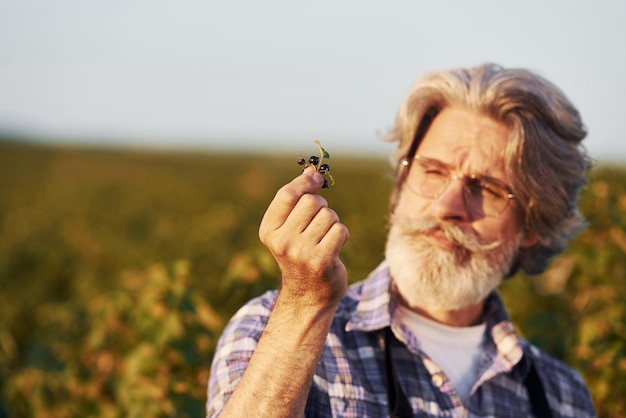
(305, 237)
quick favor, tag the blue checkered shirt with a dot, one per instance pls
(350, 378)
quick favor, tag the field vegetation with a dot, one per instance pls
(118, 270)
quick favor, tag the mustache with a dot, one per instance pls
(423, 225)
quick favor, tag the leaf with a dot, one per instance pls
(324, 153)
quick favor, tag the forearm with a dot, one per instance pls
(278, 377)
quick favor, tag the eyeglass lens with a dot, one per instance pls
(429, 178)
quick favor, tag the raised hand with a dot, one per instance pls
(305, 237)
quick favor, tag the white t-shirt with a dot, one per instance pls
(456, 350)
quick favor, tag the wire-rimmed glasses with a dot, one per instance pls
(484, 196)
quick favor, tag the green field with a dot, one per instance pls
(118, 270)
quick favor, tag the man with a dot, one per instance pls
(488, 170)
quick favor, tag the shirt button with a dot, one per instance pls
(437, 380)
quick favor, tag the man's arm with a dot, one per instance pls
(305, 238)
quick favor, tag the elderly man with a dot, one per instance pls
(488, 170)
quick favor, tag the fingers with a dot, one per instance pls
(322, 223)
(305, 211)
(335, 238)
(298, 224)
(309, 182)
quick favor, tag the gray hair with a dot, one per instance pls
(544, 158)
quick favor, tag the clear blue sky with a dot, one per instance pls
(279, 74)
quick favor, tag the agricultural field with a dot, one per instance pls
(118, 270)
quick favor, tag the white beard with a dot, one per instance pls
(433, 278)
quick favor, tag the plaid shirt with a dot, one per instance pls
(350, 378)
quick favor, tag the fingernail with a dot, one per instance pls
(318, 178)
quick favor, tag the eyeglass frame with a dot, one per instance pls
(507, 193)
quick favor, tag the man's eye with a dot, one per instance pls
(435, 172)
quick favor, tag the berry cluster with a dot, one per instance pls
(321, 167)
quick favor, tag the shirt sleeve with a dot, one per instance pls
(234, 350)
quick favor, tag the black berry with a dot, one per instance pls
(320, 166)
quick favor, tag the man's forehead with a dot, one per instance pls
(466, 140)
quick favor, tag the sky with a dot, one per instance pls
(276, 75)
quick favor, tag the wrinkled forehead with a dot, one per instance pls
(467, 141)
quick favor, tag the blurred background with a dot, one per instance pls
(269, 75)
(140, 142)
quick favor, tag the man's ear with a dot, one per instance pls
(530, 238)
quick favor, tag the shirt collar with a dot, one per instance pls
(503, 343)
(375, 300)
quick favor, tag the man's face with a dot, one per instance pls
(444, 250)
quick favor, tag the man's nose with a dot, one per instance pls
(451, 205)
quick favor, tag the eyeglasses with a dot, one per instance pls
(484, 196)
